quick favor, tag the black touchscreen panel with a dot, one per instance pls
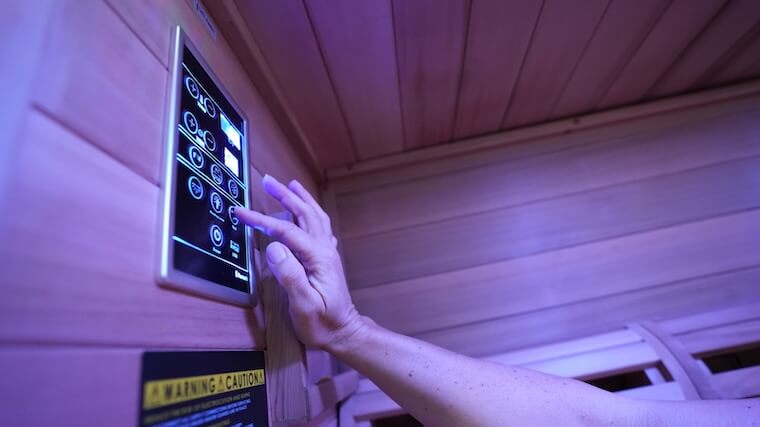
(210, 180)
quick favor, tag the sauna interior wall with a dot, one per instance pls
(80, 177)
(562, 236)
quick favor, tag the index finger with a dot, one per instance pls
(284, 231)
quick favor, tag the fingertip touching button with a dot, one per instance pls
(233, 219)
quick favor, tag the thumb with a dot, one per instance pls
(290, 273)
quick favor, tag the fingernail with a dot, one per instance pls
(276, 253)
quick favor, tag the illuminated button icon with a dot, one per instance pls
(192, 87)
(208, 139)
(234, 246)
(234, 189)
(196, 157)
(210, 107)
(217, 174)
(216, 202)
(233, 218)
(217, 238)
(191, 123)
(196, 187)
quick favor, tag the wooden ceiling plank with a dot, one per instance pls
(678, 26)
(430, 43)
(283, 32)
(736, 20)
(359, 50)
(563, 32)
(624, 27)
(498, 39)
(744, 65)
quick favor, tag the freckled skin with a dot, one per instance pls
(408, 370)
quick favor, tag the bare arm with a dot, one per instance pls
(436, 386)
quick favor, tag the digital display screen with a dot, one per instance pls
(208, 241)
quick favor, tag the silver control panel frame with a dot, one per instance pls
(168, 276)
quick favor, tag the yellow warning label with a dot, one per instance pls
(160, 393)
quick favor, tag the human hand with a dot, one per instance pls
(305, 262)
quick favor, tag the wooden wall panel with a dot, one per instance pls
(80, 256)
(669, 37)
(22, 29)
(711, 49)
(357, 41)
(564, 165)
(80, 246)
(285, 35)
(561, 36)
(491, 67)
(524, 230)
(53, 386)
(562, 236)
(430, 42)
(595, 316)
(583, 272)
(116, 71)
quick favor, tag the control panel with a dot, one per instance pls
(204, 248)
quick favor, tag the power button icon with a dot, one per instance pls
(217, 238)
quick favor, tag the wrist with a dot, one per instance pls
(350, 336)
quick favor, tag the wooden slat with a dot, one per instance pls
(491, 66)
(621, 32)
(739, 384)
(664, 391)
(744, 310)
(710, 49)
(357, 41)
(600, 363)
(373, 405)
(594, 316)
(621, 264)
(524, 230)
(151, 23)
(99, 80)
(286, 359)
(283, 32)
(461, 188)
(735, 335)
(430, 42)
(678, 26)
(82, 386)
(79, 257)
(561, 36)
(563, 349)
(327, 394)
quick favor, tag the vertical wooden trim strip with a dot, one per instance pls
(286, 367)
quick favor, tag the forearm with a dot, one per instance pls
(439, 387)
